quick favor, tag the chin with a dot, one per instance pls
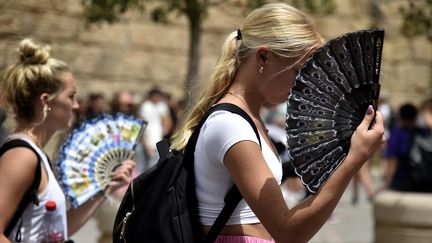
(70, 124)
(283, 98)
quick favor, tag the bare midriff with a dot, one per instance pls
(254, 230)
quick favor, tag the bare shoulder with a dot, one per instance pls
(18, 164)
(17, 172)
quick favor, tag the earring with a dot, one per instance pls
(261, 70)
(46, 109)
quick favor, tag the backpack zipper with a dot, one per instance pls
(124, 221)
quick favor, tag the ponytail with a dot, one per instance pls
(220, 81)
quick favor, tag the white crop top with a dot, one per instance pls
(222, 130)
(32, 229)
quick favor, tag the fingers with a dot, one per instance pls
(126, 167)
(123, 173)
(129, 163)
(368, 119)
(368, 136)
(379, 122)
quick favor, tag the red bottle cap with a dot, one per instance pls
(50, 206)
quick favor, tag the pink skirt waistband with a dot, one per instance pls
(240, 239)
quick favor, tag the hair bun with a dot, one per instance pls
(32, 54)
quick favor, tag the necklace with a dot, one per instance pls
(238, 97)
(244, 102)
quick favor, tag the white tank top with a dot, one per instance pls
(222, 130)
(32, 229)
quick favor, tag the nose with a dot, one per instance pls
(75, 105)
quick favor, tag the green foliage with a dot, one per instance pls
(418, 19)
(108, 10)
(316, 7)
(253, 4)
(96, 11)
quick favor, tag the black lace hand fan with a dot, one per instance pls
(328, 101)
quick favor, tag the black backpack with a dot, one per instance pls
(160, 205)
(421, 161)
(30, 196)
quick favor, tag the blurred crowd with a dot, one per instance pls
(159, 109)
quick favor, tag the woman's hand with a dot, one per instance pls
(366, 138)
(121, 176)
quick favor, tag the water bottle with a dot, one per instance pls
(53, 224)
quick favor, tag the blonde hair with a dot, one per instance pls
(285, 30)
(34, 73)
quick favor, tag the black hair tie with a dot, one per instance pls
(239, 35)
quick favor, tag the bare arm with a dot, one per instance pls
(78, 217)
(260, 189)
(17, 171)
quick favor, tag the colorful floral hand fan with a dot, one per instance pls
(328, 101)
(92, 151)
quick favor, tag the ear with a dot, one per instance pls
(262, 54)
(44, 99)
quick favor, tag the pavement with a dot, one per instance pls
(348, 224)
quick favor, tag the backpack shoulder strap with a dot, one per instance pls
(233, 197)
(31, 195)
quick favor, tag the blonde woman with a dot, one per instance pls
(40, 90)
(258, 64)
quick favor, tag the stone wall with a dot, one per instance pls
(136, 53)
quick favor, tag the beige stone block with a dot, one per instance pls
(87, 59)
(391, 18)
(403, 208)
(415, 73)
(8, 52)
(160, 36)
(392, 234)
(170, 68)
(54, 26)
(212, 44)
(392, 28)
(333, 26)
(400, 89)
(70, 7)
(388, 74)
(224, 18)
(17, 21)
(346, 7)
(24, 5)
(403, 217)
(63, 6)
(422, 49)
(136, 78)
(104, 34)
(361, 24)
(397, 49)
(74, 54)
(392, 8)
